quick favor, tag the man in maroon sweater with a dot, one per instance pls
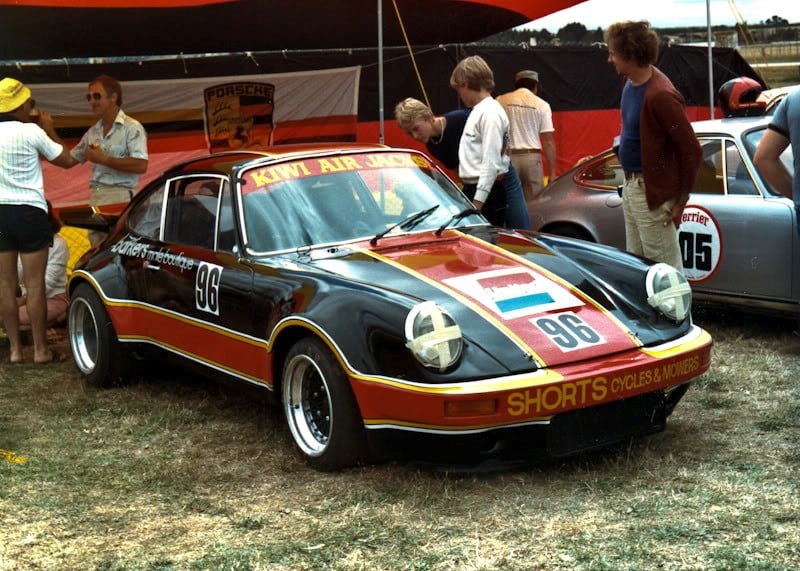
(658, 149)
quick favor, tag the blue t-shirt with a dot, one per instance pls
(630, 141)
(446, 148)
(786, 121)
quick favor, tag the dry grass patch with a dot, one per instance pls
(173, 472)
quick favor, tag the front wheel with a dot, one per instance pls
(320, 408)
(92, 339)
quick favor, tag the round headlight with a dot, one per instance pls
(433, 336)
(668, 292)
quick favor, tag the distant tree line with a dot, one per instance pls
(571, 34)
(773, 29)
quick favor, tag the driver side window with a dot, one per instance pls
(191, 217)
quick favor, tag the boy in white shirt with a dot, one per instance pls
(483, 159)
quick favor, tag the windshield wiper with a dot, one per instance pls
(455, 218)
(406, 223)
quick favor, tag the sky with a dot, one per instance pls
(668, 13)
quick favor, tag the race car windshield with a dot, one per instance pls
(297, 205)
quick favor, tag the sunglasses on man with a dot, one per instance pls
(96, 96)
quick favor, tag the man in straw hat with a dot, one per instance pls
(25, 230)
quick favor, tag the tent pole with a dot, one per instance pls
(380, 71)
(710, 62)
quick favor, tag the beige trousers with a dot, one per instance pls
(645, 232)
(531, 173)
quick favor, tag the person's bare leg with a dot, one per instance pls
(9, 281)
(33, 268)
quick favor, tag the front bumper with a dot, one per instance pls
(533, 398)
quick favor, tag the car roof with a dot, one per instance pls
(734, 126)
(225, 162)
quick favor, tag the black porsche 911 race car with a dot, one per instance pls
(357, 285)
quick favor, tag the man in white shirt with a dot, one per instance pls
(531, 126)
(483, 160)
(116, 145)
(25, 233)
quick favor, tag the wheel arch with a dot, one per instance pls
(287, 336)
(284, 341)
(569, 229)
(79, 278)
(105, 285)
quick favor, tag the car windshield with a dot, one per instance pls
(751, 140)
(324, 200)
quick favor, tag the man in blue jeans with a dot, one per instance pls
(483, 160)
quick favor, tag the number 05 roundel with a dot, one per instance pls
(701, 243)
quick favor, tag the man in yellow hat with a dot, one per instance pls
(25, 230)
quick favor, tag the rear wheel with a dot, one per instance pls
(321, 409)
(92, 338)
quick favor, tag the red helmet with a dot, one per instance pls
(738, 97)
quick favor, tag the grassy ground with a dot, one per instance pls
(178, 473)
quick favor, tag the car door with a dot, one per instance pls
(734, 240)
(200, 284)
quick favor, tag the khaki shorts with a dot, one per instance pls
(110, 195)
(106, 195)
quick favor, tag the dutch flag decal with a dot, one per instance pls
(513, 292)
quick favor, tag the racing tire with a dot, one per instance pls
(320, 408)
(93, 340)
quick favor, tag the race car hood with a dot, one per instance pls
(507, 288)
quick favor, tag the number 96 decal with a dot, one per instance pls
(568, 331)
(206, 287)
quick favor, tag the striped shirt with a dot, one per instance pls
(21, 181)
